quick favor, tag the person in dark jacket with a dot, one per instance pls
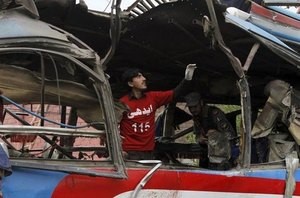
(214, 133)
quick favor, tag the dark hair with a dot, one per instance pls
(130, 73)
(192, 98)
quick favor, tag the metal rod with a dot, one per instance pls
(243, 85)
(14, 129)
(251, 55)
(144, 181)
(282, 2)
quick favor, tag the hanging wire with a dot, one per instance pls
(42, 88)
(57, 81)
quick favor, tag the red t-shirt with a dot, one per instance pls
(138, 126)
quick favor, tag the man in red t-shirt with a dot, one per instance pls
(137, 126)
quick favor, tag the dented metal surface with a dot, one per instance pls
(37, 56)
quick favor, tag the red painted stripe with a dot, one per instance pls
(274, 16)
(77, 186)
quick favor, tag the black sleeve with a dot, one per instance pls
(181, 89)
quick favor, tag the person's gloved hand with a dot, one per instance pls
(189, 71)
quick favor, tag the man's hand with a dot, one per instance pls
(189, 71)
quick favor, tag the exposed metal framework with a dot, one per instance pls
(141, 6)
